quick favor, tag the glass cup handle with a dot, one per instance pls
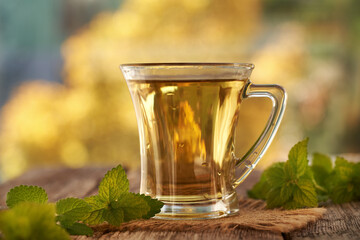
(278, 97)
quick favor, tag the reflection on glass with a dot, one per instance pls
(186, 130)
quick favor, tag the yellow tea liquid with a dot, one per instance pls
(186, 130)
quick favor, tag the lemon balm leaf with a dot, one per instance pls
(114, 204)
(72, 209)
(342, 193)
(29, 220)
(321, 176)
(287, 191)
(322, 161)
(133, 205)
(346, 181)
(97, 210)
(298, 185)
(113, 184)
(25, 193)
(292, 204)
(79, 229)
(275, 175)
(305, 194)
(289, 184)
(273, 199)
(356, 180)
(114, 216)
(298, 159)
(154, 204)
(343, 170)
(260, 189)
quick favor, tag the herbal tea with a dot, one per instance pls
(186, 129)
(187, 113)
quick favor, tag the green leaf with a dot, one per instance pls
(289, 174)
(321, 176)
(287, 191)
(356, 172)
(273, 199)
(25, 193)
(343, 170)
(114, 216)
(308, 174)
(128, 206)
(342, 193)
(305, 193)
(356, 180)
(298, 158)
(133, 205)
(154, 204)
(322, 197)
(79, 229)
(275, 175)
(113, 184)
(294, 184)
(31, 221)
(346, 181)
(95, 202)
(260, 189)
(72, 209)
(97, 210)
(292, 204)
(322, 161)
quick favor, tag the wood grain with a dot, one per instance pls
(340, 221)
(234, 235)
(66, 182)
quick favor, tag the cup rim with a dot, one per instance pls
(248, 66)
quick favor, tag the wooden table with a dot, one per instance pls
(340, 221)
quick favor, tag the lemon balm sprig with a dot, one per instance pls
(30, 216)
(297, 184)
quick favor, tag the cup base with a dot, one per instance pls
(199, 210)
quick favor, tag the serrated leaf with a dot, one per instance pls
(298, 158)
(320, 175)
(342, 194)
(97, 210)
(79, 229)
(308, 174)
(292, 205)
(72, 209)
(27, 220)
(114, 216)
(25, 193)
(95, 217)
(113, 184)
(95, 202)
(275, 175)
(289, 174)
(305, 193)
(322, 161)
(260, 189)
(154, 204)
(343, 169)
(287, 191)
(133, 205)
(273, 199)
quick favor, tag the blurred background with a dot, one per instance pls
(64, 101)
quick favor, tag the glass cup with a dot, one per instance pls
(186, 114)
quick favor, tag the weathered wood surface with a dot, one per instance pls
(340, 221)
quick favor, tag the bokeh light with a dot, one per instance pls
(310, 48)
